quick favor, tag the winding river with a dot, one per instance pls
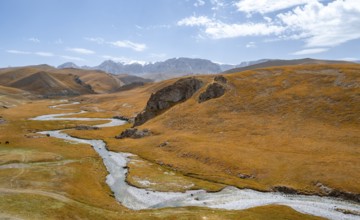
(229, 198)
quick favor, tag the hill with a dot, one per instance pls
(288, 127)
(293, 129)
(273, 63)
(10, 97)
(47, 81)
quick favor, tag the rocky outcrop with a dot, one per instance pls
(167, 97)
(124, 118)
(80, 82)
(220, 79)
(120, 117)
(134, 133)
(214, 90)
(2, 120)
(85, 127)
(325, 190)
(285, 189)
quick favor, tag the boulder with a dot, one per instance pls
(167, 97)
(214, 90)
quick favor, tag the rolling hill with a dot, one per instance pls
(47, 81)
(273, 63)
(295, 127)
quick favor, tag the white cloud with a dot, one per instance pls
(199, 3)
(195, 21)
(250, 45)
(310, 51)
(266, 6)
(129, 44)
(316, 22)
(268, 19)
(217, 4)
(44, 54)
(80, 50)
(98, 40)
(18, 52)
(123, 60)
(119, 43)
(72, 58)
(323, 25)
(218, 30)
(34, 40)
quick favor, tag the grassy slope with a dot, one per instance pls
(67, 181)
(291, 126)
(12, 96)
(100, 81)
(25, 78)
(277, 63)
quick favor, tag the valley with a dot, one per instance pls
(287, 131)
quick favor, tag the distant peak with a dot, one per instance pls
(68, 65)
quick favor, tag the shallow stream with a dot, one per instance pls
(229, 198)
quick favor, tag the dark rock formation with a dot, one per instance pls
(124, 118)
(220, 79)
(245, 176)
(285, 189)
(214, 90)
(120, 117)
(134, 133)
(324, 191)
(85, 127)
(337, 193)
(347, 212)
(167, 97)
(80, 82)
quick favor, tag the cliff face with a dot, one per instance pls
(167, 97)
(214, 90)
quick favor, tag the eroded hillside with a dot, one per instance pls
(294, 126)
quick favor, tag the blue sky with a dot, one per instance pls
(88, 32)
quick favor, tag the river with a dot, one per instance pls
(230, 198)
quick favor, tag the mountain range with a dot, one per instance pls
(170, 68)
(177, 67)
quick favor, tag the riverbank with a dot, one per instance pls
(229, 198)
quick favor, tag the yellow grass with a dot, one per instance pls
(291, 126)
(67, 181)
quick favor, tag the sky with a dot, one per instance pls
(87, 32)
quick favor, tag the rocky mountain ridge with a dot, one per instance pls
(170, 68)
